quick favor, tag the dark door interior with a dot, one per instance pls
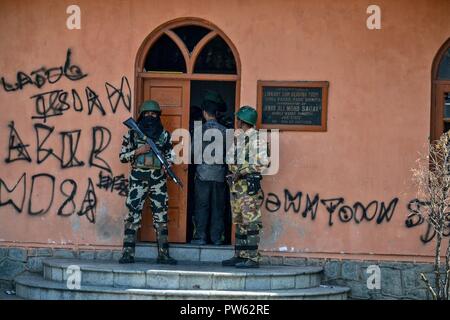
(227, 89)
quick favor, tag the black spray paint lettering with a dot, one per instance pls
(94, 101)
(386, 213)
(101, 138)
(40, 76)
(368, 212)
(42, 191)
(89, 205)
(311, 206)
(348, 213)
(119, 95)
(41, 182)
(273, 203)
(289, 201)
(6, 193)
(70, 195)
(415, 218)
(415, 207)
(345, 213)
(70, 140)
(113, 183)
(51, 104)
(56, 102)
(40, 141)
(331, 205)
(17, 150)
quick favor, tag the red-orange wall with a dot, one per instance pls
(378, 109)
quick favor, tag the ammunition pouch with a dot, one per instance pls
(253, 183)
(147, 161)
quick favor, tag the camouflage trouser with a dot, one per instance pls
(247, 218)
(155, 187)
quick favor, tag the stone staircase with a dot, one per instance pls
(204, 278)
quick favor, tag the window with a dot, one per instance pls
(440, 108)
(165, 56)
(191, 35)
(216, 57)
(444, 67)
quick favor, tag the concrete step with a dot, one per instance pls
(184, 276)
(36, 287)
(188, 252)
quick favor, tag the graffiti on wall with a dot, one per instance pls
(415, 219)
(338, 210)
(57, 102)
(25, 193)
(22, 193)
(41, 76)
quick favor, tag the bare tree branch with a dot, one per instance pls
(432, 177)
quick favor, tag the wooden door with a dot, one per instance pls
(173, 97)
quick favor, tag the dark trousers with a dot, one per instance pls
(209, 207)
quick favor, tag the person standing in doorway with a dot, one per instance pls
(249, 160)
(209, 178)
(147, 179)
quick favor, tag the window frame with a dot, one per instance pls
(438, 87)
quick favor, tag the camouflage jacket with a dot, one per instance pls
(131, 142)
(251, 158)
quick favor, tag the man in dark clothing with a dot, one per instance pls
(210, 177)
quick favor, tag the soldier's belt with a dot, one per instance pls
(249, 233)
(249, 176)
(244, 248)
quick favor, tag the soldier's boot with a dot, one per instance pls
(126, 258)
(251, 249)
(129, 243)
(163, 245)
(241, 240)
(247, 264)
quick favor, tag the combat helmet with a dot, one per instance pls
(150, 105)
(247, 114)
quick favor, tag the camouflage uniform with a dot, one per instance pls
(146, 180)
(246, 207)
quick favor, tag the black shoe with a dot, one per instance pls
(126, 258)
(218, 243)
(199, 242)
(166, 259)
(247, 264)
(232, 262)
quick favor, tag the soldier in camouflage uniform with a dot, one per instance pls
(147, 179)
(246, 193)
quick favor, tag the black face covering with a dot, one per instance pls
(151, 126)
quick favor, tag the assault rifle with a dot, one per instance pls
(131, 124)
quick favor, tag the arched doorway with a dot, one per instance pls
(440, 97)
(175, 65)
